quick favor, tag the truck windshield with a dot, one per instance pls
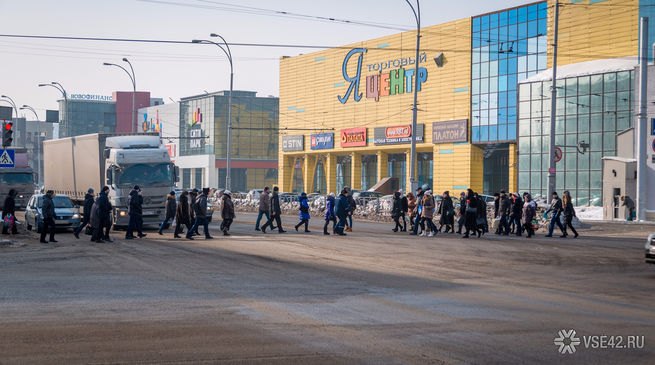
(59, 200)
(143, 174)
(19, 178)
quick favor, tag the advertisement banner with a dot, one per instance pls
(450, 131)
(322, 141)
(399, 134)
(293, 143)
(353, 137)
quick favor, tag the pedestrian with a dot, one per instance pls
(135, 210)
(427, 214)
(200, 207)
(86, 218)
(182, 215)
(569, 213)
(329, 214)
(461, 214)
(171, 208)
(481, 217)
(276, 212)
(303, 212)
(516, 214)
(629, 204)
(227, 212)
(341, 208)
(94, 223)
(396, 211)
(411, 210)
(496, 204)
(557, 209)
(504, 210)
(48, 215)
(529, 213)
(447, 213)
(405, 204)
(419, 207)
(193, 196)
(9, 213)
(470, 222)
(352, 206)
(264, 206)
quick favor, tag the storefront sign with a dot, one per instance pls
(171, 150)
(322, 141)
(293, 143)
(398, 80)
(90, 97)
(196, 139)
(397, 134)
(196, 117)
(150, 125)
(450, 131)
(353, 137)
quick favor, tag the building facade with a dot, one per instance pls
(346, 113)
(195, 132)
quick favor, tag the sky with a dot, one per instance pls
(172, 71)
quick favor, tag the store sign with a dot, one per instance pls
(196, 138)
(450, 131)
(151, 125)
(293, 143)
(398, 80)
(353, 137)
(196, 117)
(322, 141)
(90, 97)
(400, 134)
(171, 150)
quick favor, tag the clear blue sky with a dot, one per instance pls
(181, 70)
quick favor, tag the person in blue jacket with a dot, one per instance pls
(329, 214)
(341, 209)
(304, 212)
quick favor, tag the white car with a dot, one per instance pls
(254, 194)
(650, 249)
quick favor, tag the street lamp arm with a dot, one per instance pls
(63, 91)
(132, 69)
(27, 107)
(416, 16)
(229, 52)
(122, 68)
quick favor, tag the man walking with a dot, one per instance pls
(103, 212)
(419, 207)
(264, 206)
(171, 207)
(135, 210)
(88, 204)
(200, 207)
(276, 212)
(504, 209)
(48, 212)
(352, 205)
(341, 210)
(227, 212)
(557, 209)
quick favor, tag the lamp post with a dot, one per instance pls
(412, 168)
(10, 101)
(27, 107)
(228, 53)
(61, 89)
(132, 77)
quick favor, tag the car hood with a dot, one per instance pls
(65, 211)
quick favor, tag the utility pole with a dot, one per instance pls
(642, 170)
(412, 167)
(553, 110)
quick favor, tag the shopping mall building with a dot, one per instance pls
(483, 102)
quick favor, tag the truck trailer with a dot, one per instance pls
(20, 179)
(73, 165)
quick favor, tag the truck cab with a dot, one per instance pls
(19, 179)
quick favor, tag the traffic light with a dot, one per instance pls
(7, 131)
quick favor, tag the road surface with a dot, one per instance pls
(373, 297)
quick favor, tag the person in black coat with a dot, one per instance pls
(569, 213)
(461, 214)
(276, 212)
(86, 218)
(171, 207)
(103, 210)
(405, 204)
(227, 212)
(182, 214)
(397, 211)
(447, 212)
(419, 206)
(135, 210)
(48, 214)
(470, 221)
(9, 207)
(516, 214)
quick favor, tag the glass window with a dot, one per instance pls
(512, 82)
(493, 68)
(522, 64)
(536, 161)
(583, 161)
(536, 109)
(524, 162)
(502, 67)
(524, 109)
(513, 16)
(502, 83)
(622, 121)
(524, 92)
(523, 31)
(535, 180)
(596, 161)
(623, 100)
(535, 125)
(484, 54)
(524, 131)
(533, 12)
(543, 10)
(511, 131)
(476, 24)
(512, 32)
(523, 14)
(476, 56)
(559, 126)
(596, 103)
(571, 126)
(502, 100)
(475, 71)
(609, 143)
(596, 142)
(571, 86)
(610, 82)
(493, 133)
(484, 20)
(542, 26)
(475, 87)
(524, 180)
(503, 18)
(542, 61)
(623, 80)
(484, 69)
(533, 29)
(561, 106)
(571, 180)
(583, 123)
(610, 102)
(502, 34)
(532, 45)
(484, 86)
(583, 85)
(609, 123)
(493, 20)
(596, 84)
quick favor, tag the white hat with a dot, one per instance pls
(227, 192)
(332, 195)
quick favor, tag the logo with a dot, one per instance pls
(197, 117)
(566, 341)
(353, 137)
(149, 125)
(293, 143)
(399, 132)
(450, 131)
(322, 141)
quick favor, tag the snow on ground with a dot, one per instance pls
(589, 213)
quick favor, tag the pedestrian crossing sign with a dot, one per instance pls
(7, 158)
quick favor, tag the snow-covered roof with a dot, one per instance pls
(586, 68)
(619, 159)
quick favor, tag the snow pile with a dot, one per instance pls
(589, 213)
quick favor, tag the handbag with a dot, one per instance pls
(471, 210)
(9, 220)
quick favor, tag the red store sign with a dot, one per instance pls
(353, 137)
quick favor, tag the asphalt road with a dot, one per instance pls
(373, 297)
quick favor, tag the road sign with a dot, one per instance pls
(558, 154)
(652, 127)
(654, 145)
(7, 158)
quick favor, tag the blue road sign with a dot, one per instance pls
(7, 158)
(652, 127)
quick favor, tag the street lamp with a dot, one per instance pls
(412, 168)
(228, 53)
(27, 107)
(61, 89)
(132, 77)
(10, 101)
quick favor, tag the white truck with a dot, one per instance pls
(75, 164)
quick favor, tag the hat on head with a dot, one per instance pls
(90, 190)
(172, 192)
(105, 188)
(227, 192)
(136, 187)
(332, 195)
